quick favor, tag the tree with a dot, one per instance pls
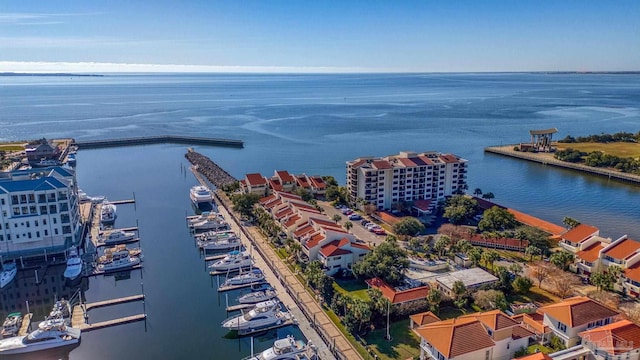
(347, 225)
(441, 244)
(313, 273)
(564, 283)
(336, 218)
(369, 208)
(602, 280)
(305, 194)
(243, 203)
(460, 294)
(357, 315)
(408, 226)
(489, 257)
(488, 196)
(541, 271)
(325, 287)
(497, 219)
(386, 261)
(504, 279)
(337, 194)
(475, 254)
(522, 285)
(477, 192)
(515, 268)
(562, 259)
(490, 299)
(434, 298)
(460, 208)
(570, 222)
(532, 251)
(379, 304)
(535, 236)
(330, 180)
(464, 246)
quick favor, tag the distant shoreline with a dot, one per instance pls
(48, 74)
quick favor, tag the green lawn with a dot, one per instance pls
(450, 313)
(541, 348)
(405, 344)
(352, 287)
(621, 149)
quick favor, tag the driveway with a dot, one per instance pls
(358, 230)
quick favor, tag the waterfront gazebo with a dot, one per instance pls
(541, 139)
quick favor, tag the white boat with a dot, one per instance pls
(218, 240)
(257, 296)
(212, 221)
(264, 314)
(71, 159)
(74, 265)
(54, 333)
(119, 263)
(45, 163)
(282, 349)
(119, 251)
(250, 277)
(11, 325)
(9, 271)
(61, 310)
(108, 213)
(200, 195)
(118, 236)
(233, 261)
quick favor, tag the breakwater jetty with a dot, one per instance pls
(548, 159)
(214, 173)
(162, 139)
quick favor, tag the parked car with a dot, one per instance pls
(344, 210)
(364, 222)
(355, 217)
(379, 231)
(370, 226)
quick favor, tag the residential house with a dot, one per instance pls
(286, 180)
(410, 292)
(44, 149)
(255, 184)
(568, 318)
(579, 238)
(422, 319)
(488, 335)
(619, 340)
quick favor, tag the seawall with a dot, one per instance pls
(548, 159)
(162, 139)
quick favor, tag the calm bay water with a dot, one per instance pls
(302, 123)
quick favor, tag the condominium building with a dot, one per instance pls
(39, 212)
(408, 176)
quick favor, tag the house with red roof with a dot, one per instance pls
(619, 340)
(486, 335)
(318, 185)
(285, 179)
(579, 238)
(341, 254)
(403, 294)
(255, 184)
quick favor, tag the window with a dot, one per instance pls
(562, 327)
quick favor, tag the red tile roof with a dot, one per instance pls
(358, 163)
(292, 220)
(407, 162)
(576, 311)
(536, 356)
(580, 233)
(323, 222)
(301, 180)
(314, 240)
(360, 246)
(617, 338)
(590, 254)
(256, 179)
(284, 176)
(303, 230)
(267, 199)
(317, 182)
(477, 239)
(633, 272)
(275, 184)
(623, 249)
(422, 204)
(283, 213)
(306, 207)
(272, 204)
(448, 158)
(334, 248)
(395, 296)
(425, 160)
(494, 319)
(424, 318)
(381, 164)
(533, 221)
(289, 196)
(388, 218)
(533, 321)
(456, 337)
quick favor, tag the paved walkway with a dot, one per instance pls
(313, 321)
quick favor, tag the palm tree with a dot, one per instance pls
(477, 192)
(347, 225)
(433, 298)
(489, 257)
(475, 254)
(336, 218)
(488, 196)
(532, 251)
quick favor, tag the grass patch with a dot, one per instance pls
(536, 295)
(405, 343)
(620, 149)
(11, 147)
(352, 287)
(539, 348)
(450, 313)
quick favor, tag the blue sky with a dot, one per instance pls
(319, 36)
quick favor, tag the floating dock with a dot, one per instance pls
(223, 287)
(80, 317)
(214, 257)
(122, 300)
(163, 139)
(233, 271)
(239, 307)
(99, 244)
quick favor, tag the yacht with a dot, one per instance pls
(257, 296)
(235, 260)
(218, 241)
(264, 314)
(108, 213)
(282, 349)
(11, 325)
(118, 236)
(74, 265)
(50, 334)
(61, 310)
(201, 196)
(9, 271)
(119, 263)
(118, 251)
(45, 163)
(213, 221)
(250, 277)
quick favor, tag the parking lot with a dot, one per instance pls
(358, 229)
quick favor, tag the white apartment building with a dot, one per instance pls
(39, 212)
(408, 176)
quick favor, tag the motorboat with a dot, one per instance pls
(71, 159)
(118, 251)
(9, 271)
(74, 265)
(250, 277)
(233, 261)
(118, 236)
(108, 213)
(201, 196)
(50, 334)
(258, 296)
(213, 221)
(218, 241)
(45, 163)
(282, 349)
(119, 263)
(61, 310)
(11, 325)
(264, 314)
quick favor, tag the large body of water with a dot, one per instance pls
(302, 123)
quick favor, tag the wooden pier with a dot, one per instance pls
(130, 241)
(239, 307)
(232, 271)
(163, 139)
(214, 257)
(223, 287)
(26, 324)
(80, 317)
